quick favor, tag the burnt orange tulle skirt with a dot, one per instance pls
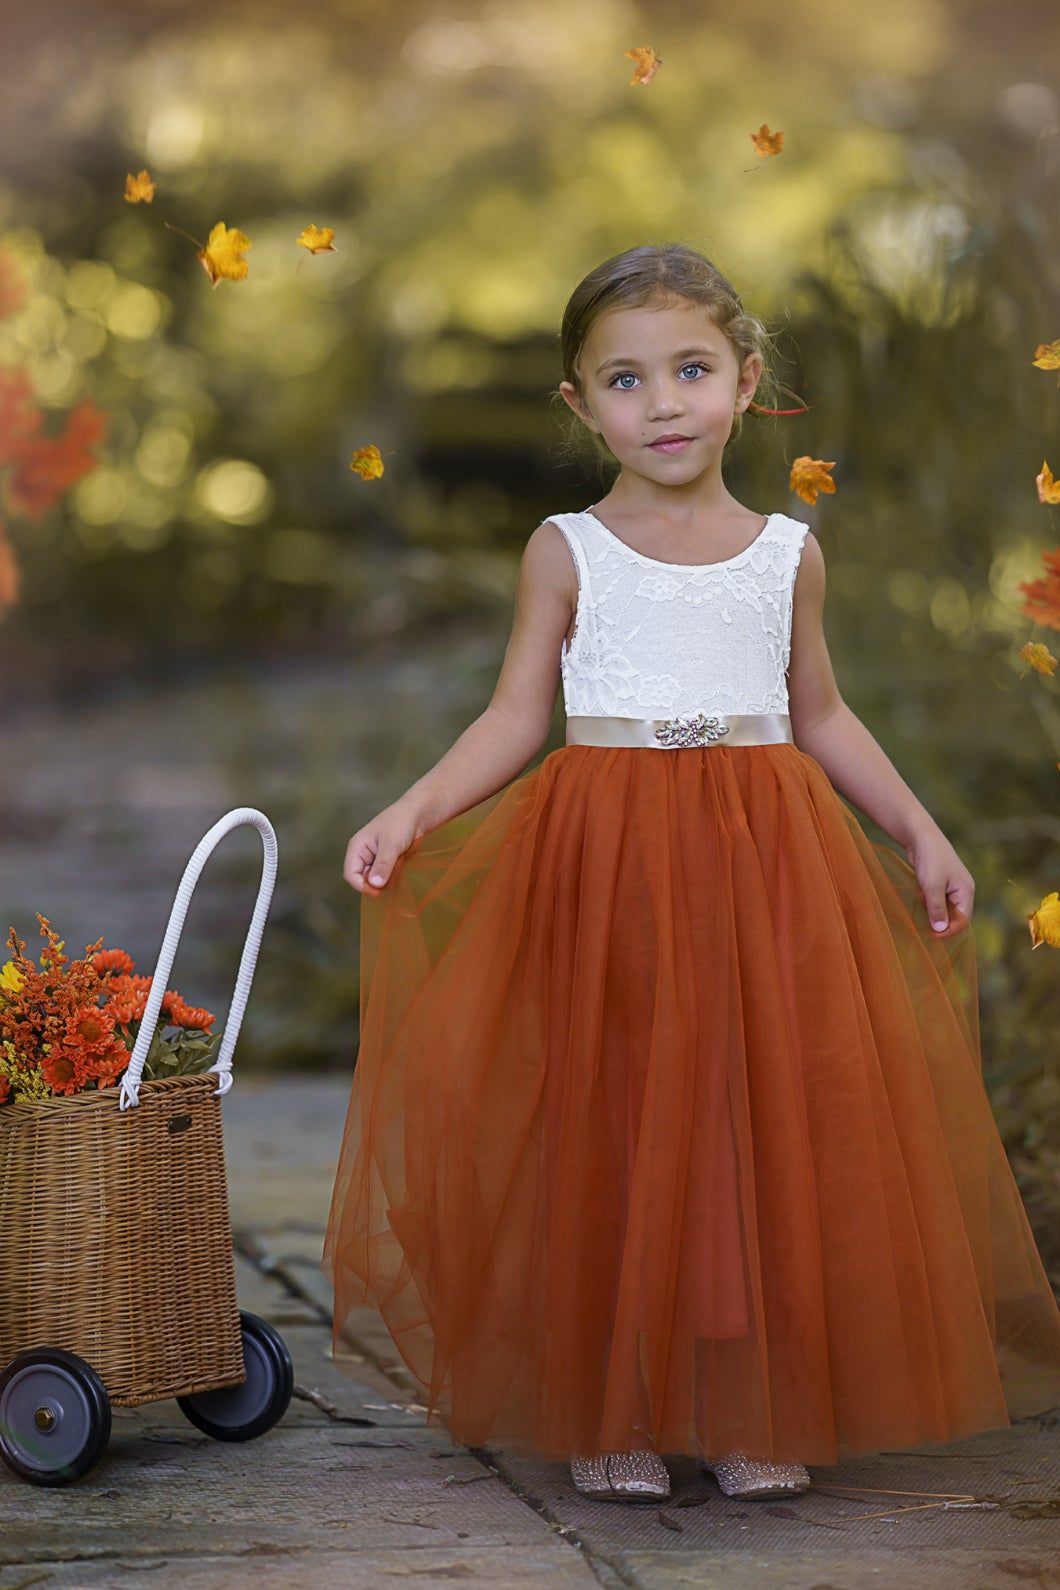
(668, 1126)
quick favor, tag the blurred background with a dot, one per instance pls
(203, 605)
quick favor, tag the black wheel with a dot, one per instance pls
(54, 1416)
(239, 1413)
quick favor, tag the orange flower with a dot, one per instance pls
(63, 1070)
(183, 1015)
(105, 1069)
(115, 960)
(90, 1027)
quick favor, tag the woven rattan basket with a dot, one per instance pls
(116, 1241)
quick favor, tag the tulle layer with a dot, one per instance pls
(668, 1126)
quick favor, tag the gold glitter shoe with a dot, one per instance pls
(622, 1477)
(740, 1475)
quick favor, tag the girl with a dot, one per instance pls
(667, 1130)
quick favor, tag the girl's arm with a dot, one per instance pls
(825, 728)
(514, 726)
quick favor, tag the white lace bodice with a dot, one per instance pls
(656, 639)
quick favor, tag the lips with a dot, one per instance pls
(675, 444)
(675, 436)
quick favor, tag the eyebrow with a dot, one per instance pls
(683, 354)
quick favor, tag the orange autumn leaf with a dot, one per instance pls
(20, 418)
(647, 64)
(766, 142)
(367, 462)
(1039, 656)
(1047, 355)
(13, 287)
(317, 239)
(222, 258)
(1044, 923)
(139, 189)
(9, 572)
(46, 466)
(1048, 488)
(809, 476)
(1043, 595)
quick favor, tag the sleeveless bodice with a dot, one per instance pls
(659, 639)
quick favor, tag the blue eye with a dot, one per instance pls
(623, 373)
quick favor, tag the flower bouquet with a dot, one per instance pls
(73, 1030)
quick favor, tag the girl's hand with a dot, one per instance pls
(947, 885)
(373, 849)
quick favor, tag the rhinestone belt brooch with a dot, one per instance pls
(699, 728)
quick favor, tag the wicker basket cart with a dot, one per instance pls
(117, 1272)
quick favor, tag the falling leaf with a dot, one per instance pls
(766, 142)
(20, 418)
(1039, 656)
(367, 462)
(317, 239)
(1048, 488)
(223, 255)
(810, 476)
(1045, 922)
(13, 287)
(1043, 595)
(648, 63)
(10, 577)
(139, 189)
(1047, 355)
(46, 466)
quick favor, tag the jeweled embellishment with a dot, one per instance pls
(699, 728)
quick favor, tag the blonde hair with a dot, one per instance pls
(647, 275)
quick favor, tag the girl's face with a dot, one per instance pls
(651, 372)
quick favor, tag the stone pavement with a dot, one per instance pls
(353, 1490)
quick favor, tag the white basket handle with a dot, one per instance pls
(130, 1082)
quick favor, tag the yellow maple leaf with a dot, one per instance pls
(223, 254)
(1048, 488)
(317, 239)
(367, 462)
(809, 476)
(139, 189)
(1039, 656)
(1044, 923)
(1047, 355)
(766, 142)
(647, 64)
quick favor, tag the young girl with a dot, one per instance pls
(668, 1131)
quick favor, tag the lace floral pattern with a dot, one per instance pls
(656, 639)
